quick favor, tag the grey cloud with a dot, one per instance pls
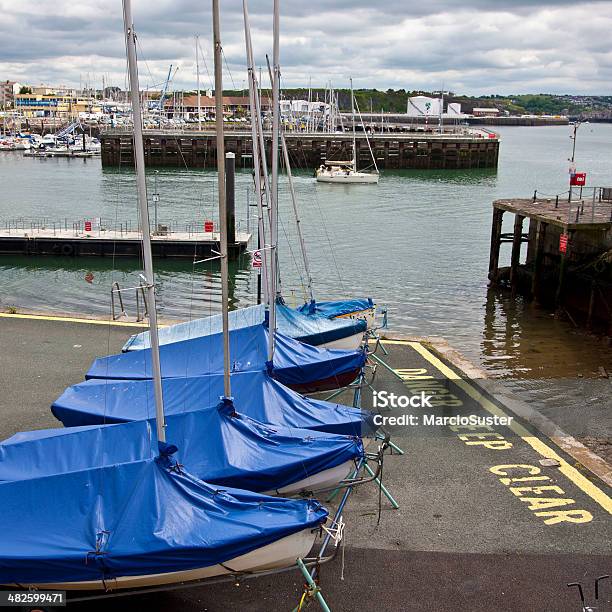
(478, 46)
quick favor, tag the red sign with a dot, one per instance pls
(578, 179)
(563, 243)
(88, 226)
(209, 227)
(256, 262)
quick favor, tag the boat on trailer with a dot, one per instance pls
(218, 445)
(352, 308)
(257, 394)
(313, 328)
(71, 531)
(302, 367)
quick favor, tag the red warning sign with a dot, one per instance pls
(578, 179)
(88, 226)
(209, 227)
(563, 243)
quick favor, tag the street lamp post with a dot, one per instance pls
(572, 166)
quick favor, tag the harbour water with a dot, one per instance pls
(418, 243)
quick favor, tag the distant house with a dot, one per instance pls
(8, 90)
(485, 112)
(181, 104)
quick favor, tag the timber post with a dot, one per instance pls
(496, 228)
(517, 240)
(537, 259)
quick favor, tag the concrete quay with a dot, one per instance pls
(470, 533)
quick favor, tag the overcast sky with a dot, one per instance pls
(468, 46)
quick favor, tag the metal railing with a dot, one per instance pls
(585, 204)
(140, 295)
(119, 228)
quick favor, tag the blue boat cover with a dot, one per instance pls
(257, 395)
(220, 446)
(337, 308)
(206, 326)
(310, 328)
(294, 363)
(314, 328)
(74, 526)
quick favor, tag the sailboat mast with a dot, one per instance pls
(259, 168)
(353, 119)
(197, 51)
(274, 192)
(130, 37)
(222, 203)
(298, 221)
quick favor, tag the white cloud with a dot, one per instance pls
(477, 46)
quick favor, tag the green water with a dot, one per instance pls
(418, 242)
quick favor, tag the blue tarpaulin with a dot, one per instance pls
(310, 328)
(294, 363)
(257, 395)
(205, 326)
(219, 445)
(132, 519)
(314, 328)
(337, 308)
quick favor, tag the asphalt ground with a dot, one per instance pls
(489, 519)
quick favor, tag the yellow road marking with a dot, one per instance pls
(7, 315)
(540, 447)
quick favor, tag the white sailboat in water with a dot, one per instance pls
(346, 172)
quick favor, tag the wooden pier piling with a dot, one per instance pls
(568, 265)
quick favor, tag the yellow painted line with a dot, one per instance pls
(7, 315)
(540, 447)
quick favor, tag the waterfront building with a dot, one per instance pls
(485, 112)
(52, 104)
(188, 105)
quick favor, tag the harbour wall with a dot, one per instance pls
(189, 149)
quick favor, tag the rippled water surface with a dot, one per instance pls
(417, 242)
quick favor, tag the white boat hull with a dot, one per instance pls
(327, 479)
(282, 553)
(349, 343)
(348, 178)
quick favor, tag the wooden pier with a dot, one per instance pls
(110, 243)
(417, 150)
(568, 262)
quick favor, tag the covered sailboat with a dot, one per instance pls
(257, 395)
(219, 445)
(304, 326)
(351, 308)
(72, 531)
(302, 367)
